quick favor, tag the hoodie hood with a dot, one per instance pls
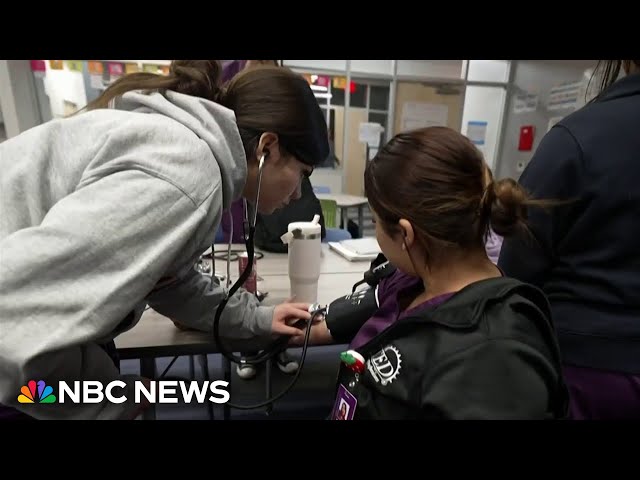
(211, 122)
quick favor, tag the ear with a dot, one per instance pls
(406, 231)
(268, 145)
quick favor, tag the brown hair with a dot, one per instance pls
(607, 71)
(263, 98)
(438, 180)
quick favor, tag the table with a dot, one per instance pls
(156, 336)
(345, 202)
(278, 263)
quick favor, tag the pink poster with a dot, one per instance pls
(38, 66)
(115, 69)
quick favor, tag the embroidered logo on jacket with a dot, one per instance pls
(384, 366)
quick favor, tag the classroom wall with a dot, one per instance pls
(65, 89)
(18, 99)
(536, 77)
(488, 70)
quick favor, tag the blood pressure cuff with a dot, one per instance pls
(345, 315)
(380, 268)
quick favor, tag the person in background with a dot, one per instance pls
(107, 211)
(493, 243)
(448, 337)
(585, 252)
(269, 228)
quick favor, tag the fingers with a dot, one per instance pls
(287, 330)
(301, 306)
(290, 310)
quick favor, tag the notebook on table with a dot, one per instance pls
(357, 249)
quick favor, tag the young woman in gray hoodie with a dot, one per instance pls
(106, 211)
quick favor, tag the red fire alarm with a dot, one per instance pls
(526, 138)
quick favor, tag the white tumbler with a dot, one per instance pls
(304, 239)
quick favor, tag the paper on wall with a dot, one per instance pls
(96, 82)
(369, 133)
(525, 102)
(420, 115)
(564, 96)
(477, 132)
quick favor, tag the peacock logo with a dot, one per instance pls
(44, 393)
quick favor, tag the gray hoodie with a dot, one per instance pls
(100, 214)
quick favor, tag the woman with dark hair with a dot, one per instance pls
(108, 210)
(585, 254)
(451, 337)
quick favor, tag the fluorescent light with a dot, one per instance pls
(319, 88)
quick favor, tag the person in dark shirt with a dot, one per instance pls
(585, 254)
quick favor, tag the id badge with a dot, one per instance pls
(345, 406)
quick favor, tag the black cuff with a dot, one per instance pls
(346, 315)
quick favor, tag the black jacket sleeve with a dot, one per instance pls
(555, 173)
(498, 379)
(269, 228)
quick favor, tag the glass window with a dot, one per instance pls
(482, 117)
(378, 98)
(380, 118)
(488, 70)
(337, 96)
(358, 95)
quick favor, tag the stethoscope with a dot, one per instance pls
(277, 346)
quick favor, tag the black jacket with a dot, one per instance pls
(586, 257)
(269, 228)
(489, 352)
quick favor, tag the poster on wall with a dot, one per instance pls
(116, 70)
(151, 68)
(369, 133)
(340, 82)
(56, 65)
(96, 70)
(525, 102)
(564, 96)
(421, 115)
(131, 68)
(38, 67)
(477, 132)
(75, 65)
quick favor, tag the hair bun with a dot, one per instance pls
(507, 201)
(199, 77)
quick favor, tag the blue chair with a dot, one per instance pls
(321, 189)
(336, 235)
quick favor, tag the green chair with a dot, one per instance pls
(329, 212)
